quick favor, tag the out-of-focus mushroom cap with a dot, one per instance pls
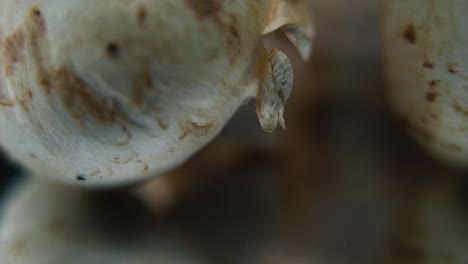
(45, 223)
(427, 71)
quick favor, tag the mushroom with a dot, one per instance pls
(427, 70)
(102, 93)
(46, 223)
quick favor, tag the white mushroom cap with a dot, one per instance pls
(44, 223)
(104, 93)
(427, 69)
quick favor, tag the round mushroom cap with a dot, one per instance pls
(109, 93)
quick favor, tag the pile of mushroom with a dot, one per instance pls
(105, 93)
(126, 90)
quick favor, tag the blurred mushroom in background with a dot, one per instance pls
(425, 59)
(46, 223)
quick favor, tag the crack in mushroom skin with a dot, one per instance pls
(426, 66)
(72, 77)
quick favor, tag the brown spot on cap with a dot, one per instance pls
(38, 23)
(432, 96)
(143, 83)
(36, 12)
(113, 50)
(234, 34)
(162, 125)
(80, 178)
(45, 83)
(233, 38)
(12, 47)
(196, 131)
(205, 8)
(410, 34)
(434, 83)
(428, 65)
(141, 16)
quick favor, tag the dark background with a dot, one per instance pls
(9, 171)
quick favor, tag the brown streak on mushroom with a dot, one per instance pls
(80, 178)
(77, 97)
(433, 83)
(428, 65)
(45, 83)
(260, 63)
(432, 96)
(162, 125)
(12, 46)
(6, 103)
(233, 38)
(184, 135)
(459, 108)
(36, 30)
(141, 16)
(197, 131)
(36, 18)
(409, 34)
(234, 32)
(142, 84)
(29, 94)
(205, 8)
(23, 105)
(273, 12)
